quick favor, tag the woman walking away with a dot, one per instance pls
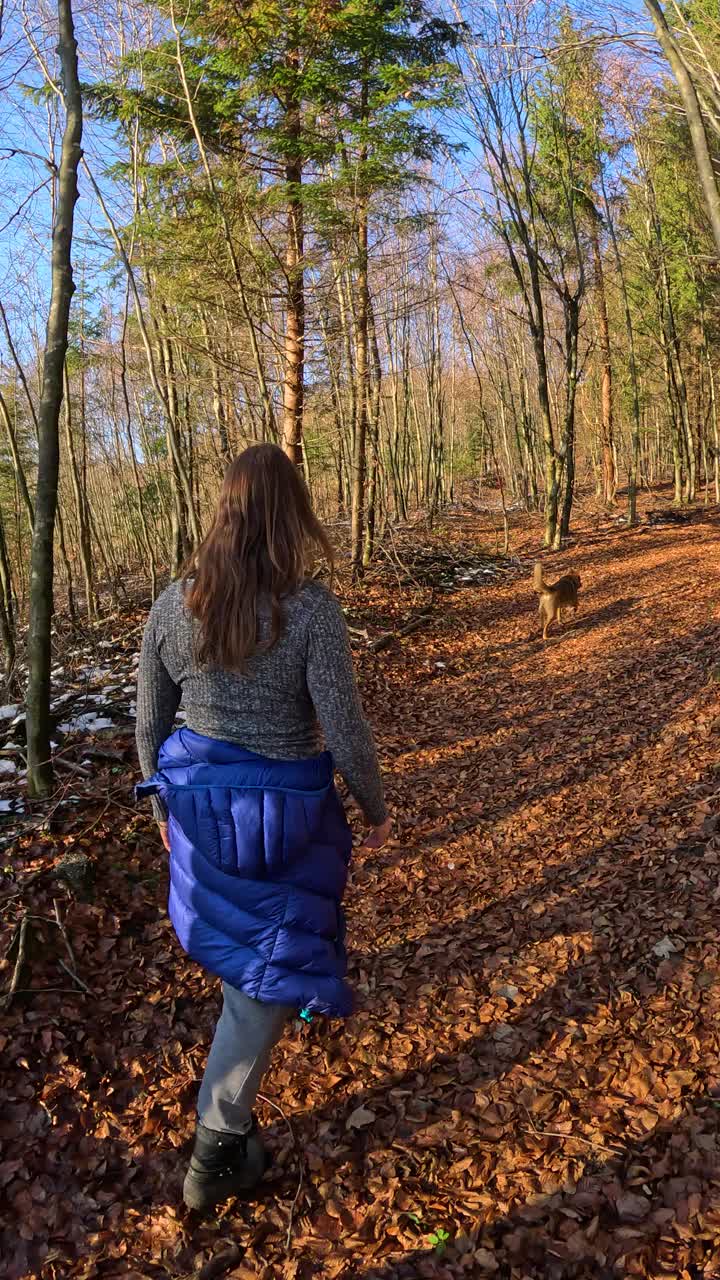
(258, 839)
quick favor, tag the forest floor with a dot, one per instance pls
(531, 1084)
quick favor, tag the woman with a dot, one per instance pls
(258, 840)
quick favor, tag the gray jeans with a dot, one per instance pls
(245, 1036)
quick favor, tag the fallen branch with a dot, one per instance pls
(70, 971)
(570, 1137)
(71, 974)
(91, 826)
(63, 930)
(358, 633)
(298, 1153)
(387, 637)
(99, 753)
(399, 564)
(21, 961)
(669, 516)
(72, 767)
(47, 991)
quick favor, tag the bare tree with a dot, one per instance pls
(693, 110)
(40, 774)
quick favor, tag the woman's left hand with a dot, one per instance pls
(164, 834)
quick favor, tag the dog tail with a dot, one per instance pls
(539, 582)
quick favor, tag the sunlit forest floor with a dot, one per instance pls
(531, 1084)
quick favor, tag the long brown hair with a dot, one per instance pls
(257, 548)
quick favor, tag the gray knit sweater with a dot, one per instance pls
(291, 698)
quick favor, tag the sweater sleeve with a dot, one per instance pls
(334, 693)
(158, 698)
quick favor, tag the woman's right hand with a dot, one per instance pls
(378, 836)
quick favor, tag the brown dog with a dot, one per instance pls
(555, 596)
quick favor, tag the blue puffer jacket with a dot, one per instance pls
(258, 865)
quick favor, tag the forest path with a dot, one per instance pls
(537, 957)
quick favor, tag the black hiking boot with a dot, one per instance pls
(223, 1165)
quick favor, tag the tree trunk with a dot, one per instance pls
(180, 477)
(606, 396)
(567, 448)
(18, 467)
(40, 773)
(72, 611)
(686, 440)
(674, 429)
(218, 400)
(713, 419)
(149, 548)
(552, 463)
(294, 361)
(173, 444)
(7, 612)
(552, 477)
(372, 501)
(357, 519)
(693, 111)
(630, 333)
(80, 506)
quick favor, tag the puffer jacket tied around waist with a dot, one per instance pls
(258, 866)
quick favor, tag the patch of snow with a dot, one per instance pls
(12, 806)
(59, 702)
(9, 712)
(8, 769)
(86, 722)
